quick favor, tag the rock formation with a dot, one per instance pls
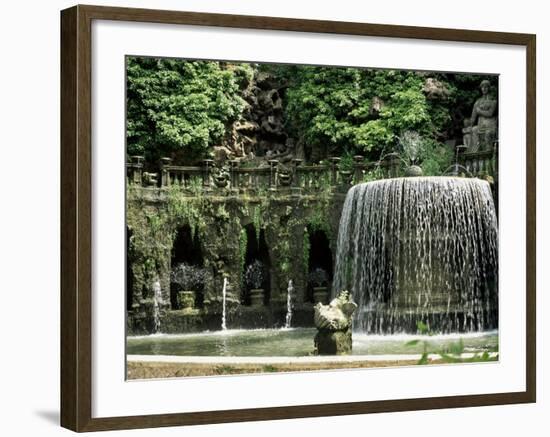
(260, 134)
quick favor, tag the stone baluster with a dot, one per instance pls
(296, 182)
(233, 165)
(358, 168)
(207, 166)
(137, 169)
(334, 161)
(165, 172)
(305, 174)
(474, 167)
(273, 174)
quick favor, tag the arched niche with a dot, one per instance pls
(319, 257)
(186, 249)
(256, 249)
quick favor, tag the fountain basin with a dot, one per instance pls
(420, 249)
(295, 342)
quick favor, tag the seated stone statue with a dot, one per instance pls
(484, 120)
(333, 323)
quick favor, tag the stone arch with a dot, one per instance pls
(187, 249)
(256, 249)
(320, 257)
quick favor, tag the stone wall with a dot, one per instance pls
(153, 219)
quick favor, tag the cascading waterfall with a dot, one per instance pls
(224, 296)
(157, 302)
(289, 291)
(420, 249)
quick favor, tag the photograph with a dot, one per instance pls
(291, 218)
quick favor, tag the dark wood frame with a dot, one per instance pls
(76, 218)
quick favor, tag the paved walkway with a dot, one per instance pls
(282, 360)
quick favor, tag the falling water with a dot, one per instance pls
(289, 291)
(157, 302)
(412, 249)
(224, 292)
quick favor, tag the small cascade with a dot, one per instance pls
(157, 302)
(290, 292)
(420, 249)
(224, 297)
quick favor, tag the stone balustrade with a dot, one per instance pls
(236, 176)
(479, 164)
(294, 176)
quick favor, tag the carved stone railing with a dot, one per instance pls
(252, 178)
(479, 164)
(134, 170)
(294, 176)
(184, 176)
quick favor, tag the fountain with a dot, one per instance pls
(224, 298)
(419, 249)
(289, 291)
(157, 302)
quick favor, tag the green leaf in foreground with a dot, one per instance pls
(412, 343)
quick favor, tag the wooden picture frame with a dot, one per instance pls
(76, 217)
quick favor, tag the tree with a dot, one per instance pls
(358, 110)
(181, 108)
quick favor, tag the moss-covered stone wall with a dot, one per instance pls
(218, 219)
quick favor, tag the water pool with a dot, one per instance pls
(297, 342)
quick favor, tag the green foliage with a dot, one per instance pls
(320, 209)
(373, 175)
(223, 369)
(436, 159)
(177, 107)
(451, 354)
(354, 110)
(346, 162)
(455, 351)
(318, 220)
(182, 108)
(186, 210)
(257, 219)
(269, 368)
(149, 244)
(422, 328)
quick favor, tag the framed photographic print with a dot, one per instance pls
(254, 204)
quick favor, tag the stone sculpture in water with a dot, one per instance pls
(333, 323)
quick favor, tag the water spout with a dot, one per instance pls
(157, 302)
(290, 291)
(224, 297)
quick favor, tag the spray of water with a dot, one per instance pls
(157, 302)
(224, 296)
(290, 292)
(413, 249)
